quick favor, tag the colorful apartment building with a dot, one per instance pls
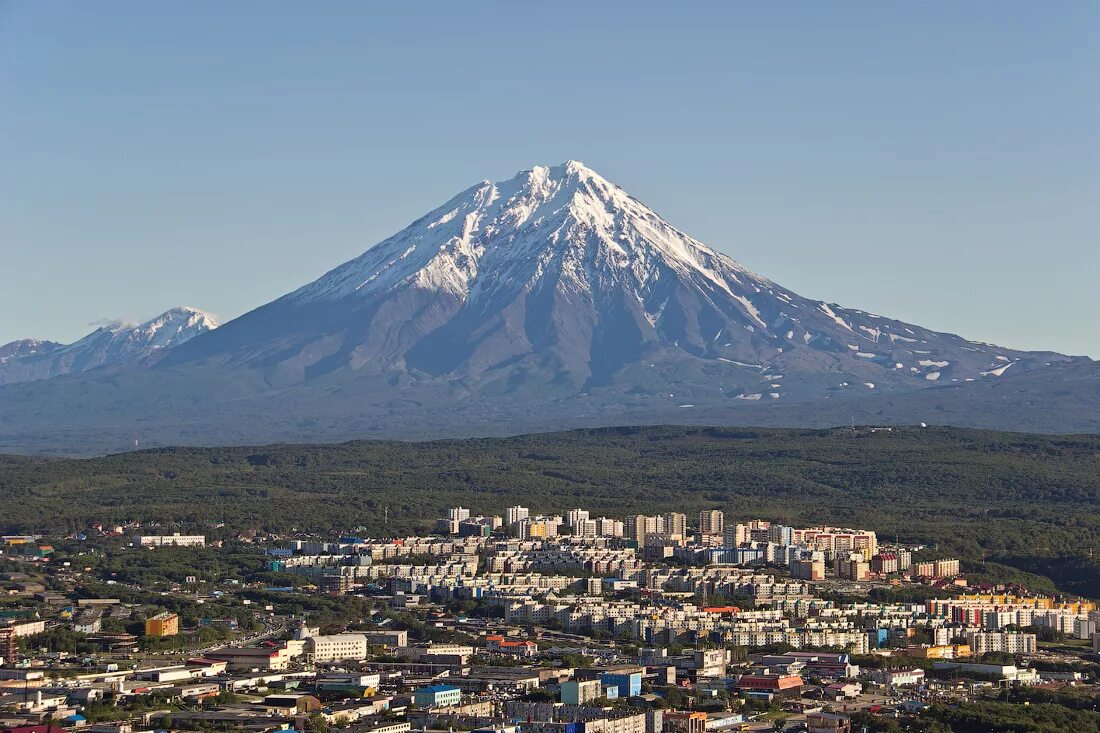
(163, 624)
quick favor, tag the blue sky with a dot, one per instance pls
(935, 162)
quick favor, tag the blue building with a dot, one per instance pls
(437, 696)
(629, 684)
(877, 638)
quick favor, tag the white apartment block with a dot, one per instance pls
(1001, 641)
(336, 648)
(609, 527)
(514, 514)
(170, 540)
(574, 516)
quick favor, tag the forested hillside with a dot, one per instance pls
(999, 500)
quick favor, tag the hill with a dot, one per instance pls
(1003, 499)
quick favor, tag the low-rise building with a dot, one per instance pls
(388, 638)
(336, 648)
(769, 685)
(249, 658)
(578, 692)
(825, 722)
(437, 696)
(171, 540)
(1007, 672)
(898, 677)
(685, 722)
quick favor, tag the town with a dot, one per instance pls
(522, 623)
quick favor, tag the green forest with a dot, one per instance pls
(1011, 506)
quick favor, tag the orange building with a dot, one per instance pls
(163, 624)
(685, 722)
(947, 651)
(771, 685)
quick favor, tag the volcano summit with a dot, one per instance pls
(553, 299)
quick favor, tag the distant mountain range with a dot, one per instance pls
(551, 300)
(116, 343)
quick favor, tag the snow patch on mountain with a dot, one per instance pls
(504, 228)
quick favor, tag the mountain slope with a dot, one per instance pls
(559, 278)
(116, 343)
(551, 300)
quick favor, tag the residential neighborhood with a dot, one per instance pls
(523, 622)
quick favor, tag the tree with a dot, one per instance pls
(674, 697)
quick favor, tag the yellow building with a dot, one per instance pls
(163, 624)
(947, 651)
(541, 529)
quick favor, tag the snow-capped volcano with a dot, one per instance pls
(550, 300)
(111, 344)
(564, 220)
(560, 278)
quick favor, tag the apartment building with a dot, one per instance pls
(163, 624)
(853, 566)
(336, 648)
(834, 541)
(885, 563)
(609, 527)
(172, 540)
(809, 566)
(937, 569)
(514, 514)
(579, 692)
(676, 524)
(981, 642)
(639, 526)
(574, 516)
(585, 528)
(712, 521)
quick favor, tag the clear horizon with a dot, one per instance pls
(935, 164)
